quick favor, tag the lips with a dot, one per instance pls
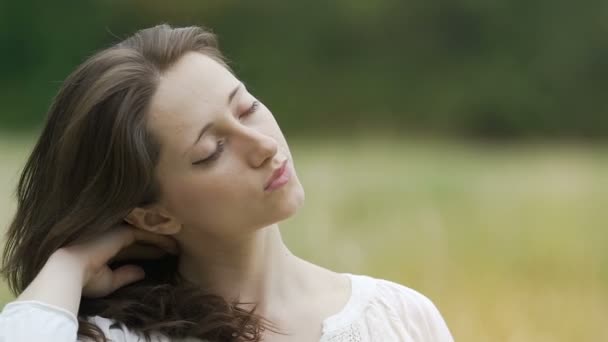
(279, 177)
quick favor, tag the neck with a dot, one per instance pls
(252, 268)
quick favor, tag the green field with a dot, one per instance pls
(508, 240)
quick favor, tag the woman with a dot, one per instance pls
(149, 208)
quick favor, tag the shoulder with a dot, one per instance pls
(406, 300)
(407, 307)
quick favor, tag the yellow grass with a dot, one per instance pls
(510, 242)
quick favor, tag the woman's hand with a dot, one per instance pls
(121, 243)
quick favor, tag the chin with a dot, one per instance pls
(288, 205)
(297, 197)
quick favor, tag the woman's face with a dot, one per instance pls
(219, 148)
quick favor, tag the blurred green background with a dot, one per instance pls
(458, 147)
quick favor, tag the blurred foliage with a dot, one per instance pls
(460, 67)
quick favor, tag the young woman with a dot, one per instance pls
(148, 209)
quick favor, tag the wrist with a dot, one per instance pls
(66, 259)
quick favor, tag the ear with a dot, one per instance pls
(154, 220)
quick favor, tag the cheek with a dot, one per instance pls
(212, 200)
(186, 193)
(189, 194)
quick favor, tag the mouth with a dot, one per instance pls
(279, 177)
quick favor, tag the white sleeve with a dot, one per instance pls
(36, 321)
(25, 321)
(421, 317)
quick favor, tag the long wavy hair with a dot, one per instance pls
(92, 164)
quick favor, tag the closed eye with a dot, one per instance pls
(251, 110)
(220, 144)
(216, 154)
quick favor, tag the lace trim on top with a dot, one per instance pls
(362, 291)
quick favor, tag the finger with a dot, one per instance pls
(106, 246)
(138, 251)
(126, 275)
(165, 242)
(125, 235)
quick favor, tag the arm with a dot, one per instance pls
(59, 283)
(24, 321)
(49, 305)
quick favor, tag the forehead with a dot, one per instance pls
(188, 95)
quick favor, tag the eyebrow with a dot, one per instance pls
(210, 124)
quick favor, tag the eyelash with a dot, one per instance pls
(220, 144)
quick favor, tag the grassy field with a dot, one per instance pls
(510, 242)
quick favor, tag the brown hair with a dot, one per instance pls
(93, 163)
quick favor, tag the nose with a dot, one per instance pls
(259, 147)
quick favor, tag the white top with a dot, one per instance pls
(377, 310)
